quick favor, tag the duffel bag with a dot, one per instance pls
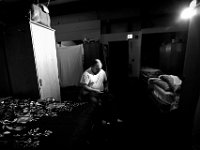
(40, 14)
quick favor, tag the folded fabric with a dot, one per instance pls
(151, 72)
(166, 96)
(159, 82)
(173, 81)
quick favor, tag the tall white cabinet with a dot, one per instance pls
(31, 57)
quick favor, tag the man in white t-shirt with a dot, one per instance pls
(94, 79)
(95, 88)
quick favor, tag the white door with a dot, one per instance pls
(44, 46)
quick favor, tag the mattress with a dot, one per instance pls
(151, 72)
(147, 73)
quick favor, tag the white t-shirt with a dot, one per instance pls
(94, 81)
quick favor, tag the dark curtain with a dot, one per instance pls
(5, 85)
(104, 56)
(92, 50)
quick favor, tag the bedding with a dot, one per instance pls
(166, 98)
(147, 73)
(163, 88)
(163, 95)
(173, 81)
(151, 72)
(159, 82)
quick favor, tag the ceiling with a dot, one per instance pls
(15, 9)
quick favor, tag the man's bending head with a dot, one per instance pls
(96, 66)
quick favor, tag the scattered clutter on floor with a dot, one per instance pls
(21, 120)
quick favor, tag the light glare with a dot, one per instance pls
(188, 13)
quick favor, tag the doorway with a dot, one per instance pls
(118, 66)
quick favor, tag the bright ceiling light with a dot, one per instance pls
(129, 36)
(188, 13)
(193, 4)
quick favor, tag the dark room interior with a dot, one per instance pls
(150, 56)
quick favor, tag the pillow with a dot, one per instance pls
(173, 81)
(161, 83)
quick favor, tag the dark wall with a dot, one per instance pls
(150, 48)
(20, 61)
(91, 51)
(5, 88)
(165, 51)
(191, 72)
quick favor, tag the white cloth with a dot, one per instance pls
(70, 59)
(92, 80)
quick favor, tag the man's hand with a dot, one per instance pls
(98, 91)
(106, 89)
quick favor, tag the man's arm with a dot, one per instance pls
(87, 88)
(106, 86)
(105, 82)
